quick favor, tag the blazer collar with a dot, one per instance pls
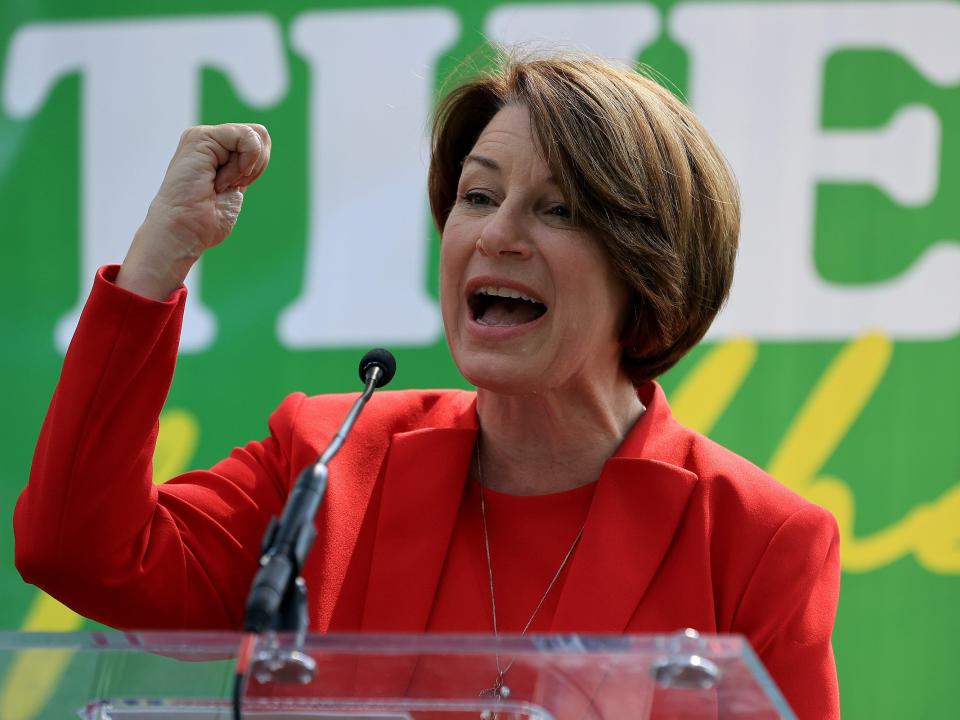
(637, 508)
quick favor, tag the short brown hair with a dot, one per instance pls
(638, 170)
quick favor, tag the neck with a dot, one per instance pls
(536, 444)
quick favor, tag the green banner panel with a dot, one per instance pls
(834, 366)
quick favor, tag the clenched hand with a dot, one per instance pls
(197, 204)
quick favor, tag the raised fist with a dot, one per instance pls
(197, 204)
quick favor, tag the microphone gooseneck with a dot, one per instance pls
(278, 601)
(289, 539)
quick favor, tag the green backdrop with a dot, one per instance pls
(835, 366)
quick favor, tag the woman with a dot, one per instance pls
(589, 227)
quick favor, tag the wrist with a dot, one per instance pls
(157, 263)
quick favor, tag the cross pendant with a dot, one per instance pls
(500, 690)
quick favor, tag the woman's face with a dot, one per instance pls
(530, 301)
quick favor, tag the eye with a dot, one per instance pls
(560, 211)
(475, 198)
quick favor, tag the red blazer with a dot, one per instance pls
(680, 533)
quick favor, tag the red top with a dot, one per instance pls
(529, 538)
(679, 533)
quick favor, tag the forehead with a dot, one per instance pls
(507, 144)
(510, 121)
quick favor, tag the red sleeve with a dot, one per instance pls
(91, 528)
(788, 610)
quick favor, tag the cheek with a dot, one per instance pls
(454, 256)
(446, 279)
(448, 264)
(602, 310)
(615, 302)
(457, 243)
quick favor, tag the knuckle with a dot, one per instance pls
(246, 136)
(194, 133)
(262, 133)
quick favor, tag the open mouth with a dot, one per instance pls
(504, 307)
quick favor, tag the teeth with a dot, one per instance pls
(504, 292)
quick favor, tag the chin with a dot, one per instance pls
(502, 375)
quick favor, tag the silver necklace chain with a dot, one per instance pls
(500, 690)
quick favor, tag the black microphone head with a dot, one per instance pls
(378, 357)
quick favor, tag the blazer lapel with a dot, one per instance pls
(422, 486)
(636, 511)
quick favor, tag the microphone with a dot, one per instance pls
(278, 595)
(275, 603)
(378, 359)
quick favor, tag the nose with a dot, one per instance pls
(504, 235)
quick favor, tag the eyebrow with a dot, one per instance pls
(491, 164)
(481, 160)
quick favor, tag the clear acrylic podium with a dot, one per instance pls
(189, 676)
